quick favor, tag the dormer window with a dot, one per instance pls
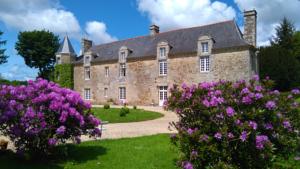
(162, 52)
(123, 56)
(87, 59)
(204, 46)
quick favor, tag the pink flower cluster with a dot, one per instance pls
(42, 114)
(232, 116)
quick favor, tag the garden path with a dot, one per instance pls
(143, 128)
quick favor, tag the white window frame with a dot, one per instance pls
(122, 93)
(163, 67)
(204, 46)
(123, 56)
(105, 92)
(204, 63)
(162, 52)
(87, 60)
(87, 73)
(106, 71)
(122, 71)
(87, 94)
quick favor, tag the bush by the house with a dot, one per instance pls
(106, 106)
(124, 111)
(134, 107)
(234, 125)
(41, 115)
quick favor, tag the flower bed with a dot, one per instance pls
(40, 115)
(234, 125)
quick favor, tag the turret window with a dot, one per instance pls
(58, 60)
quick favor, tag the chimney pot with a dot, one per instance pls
(154, 29)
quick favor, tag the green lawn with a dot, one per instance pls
(112, 115)
(149, 152)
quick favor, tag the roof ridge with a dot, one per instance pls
(143, 36)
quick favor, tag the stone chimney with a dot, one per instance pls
(85, 45)
(154, 30)
(250, 18)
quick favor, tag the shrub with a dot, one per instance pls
(106, 106)
(41, 115)
(234, 125)
(134, 107)
(124, 111)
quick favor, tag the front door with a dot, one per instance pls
(163, 94)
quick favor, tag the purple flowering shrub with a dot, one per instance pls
(41, 115)
(234, 124)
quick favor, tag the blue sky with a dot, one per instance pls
(106, 21)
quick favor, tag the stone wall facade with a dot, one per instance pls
(142, 79)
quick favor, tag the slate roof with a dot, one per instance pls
(225, 34)
(66, 46)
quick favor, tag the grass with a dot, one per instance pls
(112, 115)
(148, 152)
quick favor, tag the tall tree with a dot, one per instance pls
(284, 34)
(3, 57)
(280, 65)
(38, 50)
(297, 44)
(279, 60)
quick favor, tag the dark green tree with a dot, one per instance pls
(284, 34)
(297, 44)
(280, 65)
(279, 60)
(3, 57)
(38, 49)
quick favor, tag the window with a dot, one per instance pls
(163, 92)
(58, 60)
(87, 94)
(105, 92)
(123, 56)
(204, 64)
(162, 52)
(106, 71)
(87, 60)
(87, 73)
(122, 93)
(122, 70)
(204, 46)
(163, 67)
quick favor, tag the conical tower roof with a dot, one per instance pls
(66, 47)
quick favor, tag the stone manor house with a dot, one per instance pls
(140, 70)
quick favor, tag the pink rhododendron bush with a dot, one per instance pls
(234, 125)
(41, 115)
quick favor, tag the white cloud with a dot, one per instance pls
(170, 14)
(38, 14)
(18, 72)
(269, 14)
(98, 33)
